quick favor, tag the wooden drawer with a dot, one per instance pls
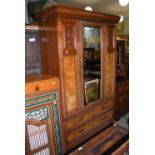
(104, 141)
(40, 83)
(78, 120)
(92, 124)
(103, 107)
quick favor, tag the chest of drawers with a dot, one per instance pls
(43, 132)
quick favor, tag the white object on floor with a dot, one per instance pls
(123, 121)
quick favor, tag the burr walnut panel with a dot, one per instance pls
(70, 83)
(109, 76)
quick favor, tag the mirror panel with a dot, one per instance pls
(91, 63)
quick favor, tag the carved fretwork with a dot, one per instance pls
(69, 39)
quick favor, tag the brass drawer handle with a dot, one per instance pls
(37, 88)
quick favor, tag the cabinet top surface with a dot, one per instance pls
(63, 11)
(38, 77)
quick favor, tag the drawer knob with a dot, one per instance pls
(81, 118)
(37, 88)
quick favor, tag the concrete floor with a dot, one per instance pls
(123, 121)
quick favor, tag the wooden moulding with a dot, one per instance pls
(68, 12)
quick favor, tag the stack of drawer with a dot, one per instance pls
(87, 123)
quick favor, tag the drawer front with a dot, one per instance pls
(79, 120)
(92, 124)
(40, 86)
(103, 107)
(74, 122)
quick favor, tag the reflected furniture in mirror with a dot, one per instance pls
(32, 50)
(79, 47)
(92, 63)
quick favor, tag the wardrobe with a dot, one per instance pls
(79, 47)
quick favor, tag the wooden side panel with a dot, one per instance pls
(109, 74)
(109, 63)
(49, 46)
(121, 98)
(70, 83)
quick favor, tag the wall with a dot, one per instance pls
(123, 27)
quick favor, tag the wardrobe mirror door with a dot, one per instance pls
(91, 63)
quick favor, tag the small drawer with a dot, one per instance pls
(90, 125)
(40, 86)
(79, 120)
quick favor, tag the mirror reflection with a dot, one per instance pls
(92, 63)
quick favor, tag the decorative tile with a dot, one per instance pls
(41, 99)
(57, 128)
(37, 114)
